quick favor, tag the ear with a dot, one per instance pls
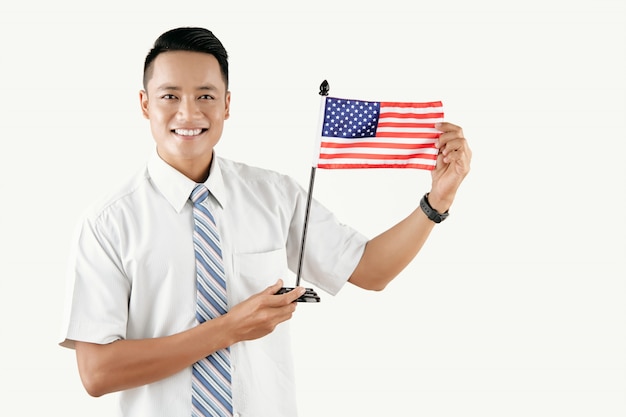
(143, 101)
(227, 109)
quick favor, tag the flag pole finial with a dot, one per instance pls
(324, 88)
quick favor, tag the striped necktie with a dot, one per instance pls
(211, 390)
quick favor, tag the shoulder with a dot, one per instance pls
(118, 196)
(256, 185)
(242, 172)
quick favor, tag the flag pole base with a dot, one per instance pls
(310, 296)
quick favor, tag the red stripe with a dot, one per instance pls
(377, 145)
(375, 156)
(350, 166)
(411, 105)
(410, 115)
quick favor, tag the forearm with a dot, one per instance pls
(387, 254)
(126, 364)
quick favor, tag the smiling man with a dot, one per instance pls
(173, 279)
(187, 101)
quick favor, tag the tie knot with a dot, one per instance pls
(199, 194)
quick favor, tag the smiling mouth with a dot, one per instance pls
(189, 132)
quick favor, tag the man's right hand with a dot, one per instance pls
(261, 313)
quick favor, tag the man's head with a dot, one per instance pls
(193, 39)
(186, 98)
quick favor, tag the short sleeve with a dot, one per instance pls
(98, 291)
(332, 250)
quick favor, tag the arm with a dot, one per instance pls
(387, 254)
(126, 364)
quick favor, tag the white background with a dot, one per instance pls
(516, 306)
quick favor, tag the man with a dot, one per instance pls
(131, 313)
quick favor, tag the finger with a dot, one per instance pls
(449, 136)
(293, 295)
(285, 298)
(454, 145)
(272, 289)
(440, 162)
(449, 132)
(457, 155)
(460, 158)
(446, 127)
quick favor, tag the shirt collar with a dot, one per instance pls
(176, 187)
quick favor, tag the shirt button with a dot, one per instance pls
(236, 415)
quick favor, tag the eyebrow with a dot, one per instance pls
(167, 87)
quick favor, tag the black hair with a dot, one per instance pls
(193, 39)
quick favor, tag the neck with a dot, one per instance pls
(195, 169)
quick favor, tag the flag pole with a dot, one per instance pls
(324, 88)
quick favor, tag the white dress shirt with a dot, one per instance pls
(132, 274)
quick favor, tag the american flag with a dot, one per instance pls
(378, 134)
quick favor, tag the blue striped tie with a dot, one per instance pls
(211, 391)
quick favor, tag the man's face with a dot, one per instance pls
(186, 102)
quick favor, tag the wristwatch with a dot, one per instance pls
(430, 212)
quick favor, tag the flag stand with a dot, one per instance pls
(310, 295)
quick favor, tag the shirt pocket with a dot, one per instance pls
(254, 272)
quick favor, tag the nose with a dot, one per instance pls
(188, 109)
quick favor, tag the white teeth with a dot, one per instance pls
(188, 132)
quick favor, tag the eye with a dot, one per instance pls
(206, 97)
(168, 97)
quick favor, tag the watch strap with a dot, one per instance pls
(430, 212)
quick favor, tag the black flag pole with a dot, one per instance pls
(306, 222)
(310, 295)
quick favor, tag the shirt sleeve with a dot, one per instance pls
(98, 291)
